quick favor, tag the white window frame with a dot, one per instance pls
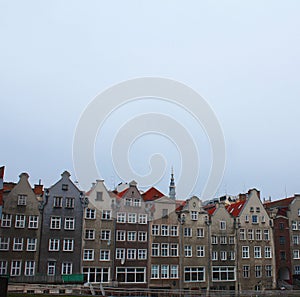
(6, 220)
(53, 245)
(20, 221)
(104, 255)
(31, 244)
(88, 255)
(69, 223)
(55, 223)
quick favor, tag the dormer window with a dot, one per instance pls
(22, 200)
(64, 187)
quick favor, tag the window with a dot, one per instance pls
(266, 235)
(231, 255)
(88, 254)
(68, 245)
(194, 215)
(33, 222)
(268, 253)
(257, 252)
(297, 270)
(131, 254)
(223, 240)
(223, 255)
(131, 236)
(66, 268)
(104, 255)
(105, 234)
(268, 270)
(57, 201)
(214, 239)
(281, 240)
(22, 200)
(20, 221)
(31, 244)
(132, 218)
(214, 255)
(6, 220)
(174, 271)
(131, 274)
(142, 219)
(298, 212)
(257, 271)
(194, 274)
(142, 236)
(154, 271)
(294, 225)
(18, 244)
(106, 215)
(231, 240)
(121, 217)
(164, 230)
(89, 234)
(96, 275)
(15, 268)
(4, 243)
(282, 255)
(245, 252)
(120, 254)
(222, 225)
(226, 273)
(90, 213)
(29, 268)
(164, 250)
(174, 250)
(70, 202)
(263, 219)
(142, 254)
(3, 267)
(69, 223)
(99, 196)
(164, 271)
(250, 234)
(200, 232)
(258, 234)
(246, 218)
(65, 187)
(188, 251)
(137, 202)
(128, 202)
(55, 223)
(121, 235)
(200, 251)
(155, 249)
(53, 245)
(296, 239)
(242, 234)
(155, 230)
(246, 271)
(187, 232)
(51, 267)
(254, 219)
(165, 213)
(257, 209)
(296, 254)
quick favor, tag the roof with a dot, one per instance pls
(235, 208)
(279, 203)
(152, 194)
(180, 204)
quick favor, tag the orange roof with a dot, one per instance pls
(235, 208)
(180, 204)
(152, 194)
(279, 203)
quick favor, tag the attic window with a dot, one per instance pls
(251, 209)
(99, 196)
(64, 187)
(22, 200)
(257, 209)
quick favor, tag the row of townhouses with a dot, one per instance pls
(146, 239)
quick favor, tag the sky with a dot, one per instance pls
(242, 57)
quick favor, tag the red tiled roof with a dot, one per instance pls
(152, 194)
(180, 204)
(235, 208)
(121, 194)
(279, 203)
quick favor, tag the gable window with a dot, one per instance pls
(22, 200)
(65, 187)
(128, 202)
(194, 215)
(6, 220)
(258, 234)
(70, 202)
(250, 234)
(254, 219)
(222, 225)
(266, 234)
(90, 213)
(57, 201)
(137, 202)
(20, 221)
(164, 213)
(99, 196)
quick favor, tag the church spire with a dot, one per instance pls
(172, 193)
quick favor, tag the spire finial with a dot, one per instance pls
(172, 193)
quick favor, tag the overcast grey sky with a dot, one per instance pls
(243, 57)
